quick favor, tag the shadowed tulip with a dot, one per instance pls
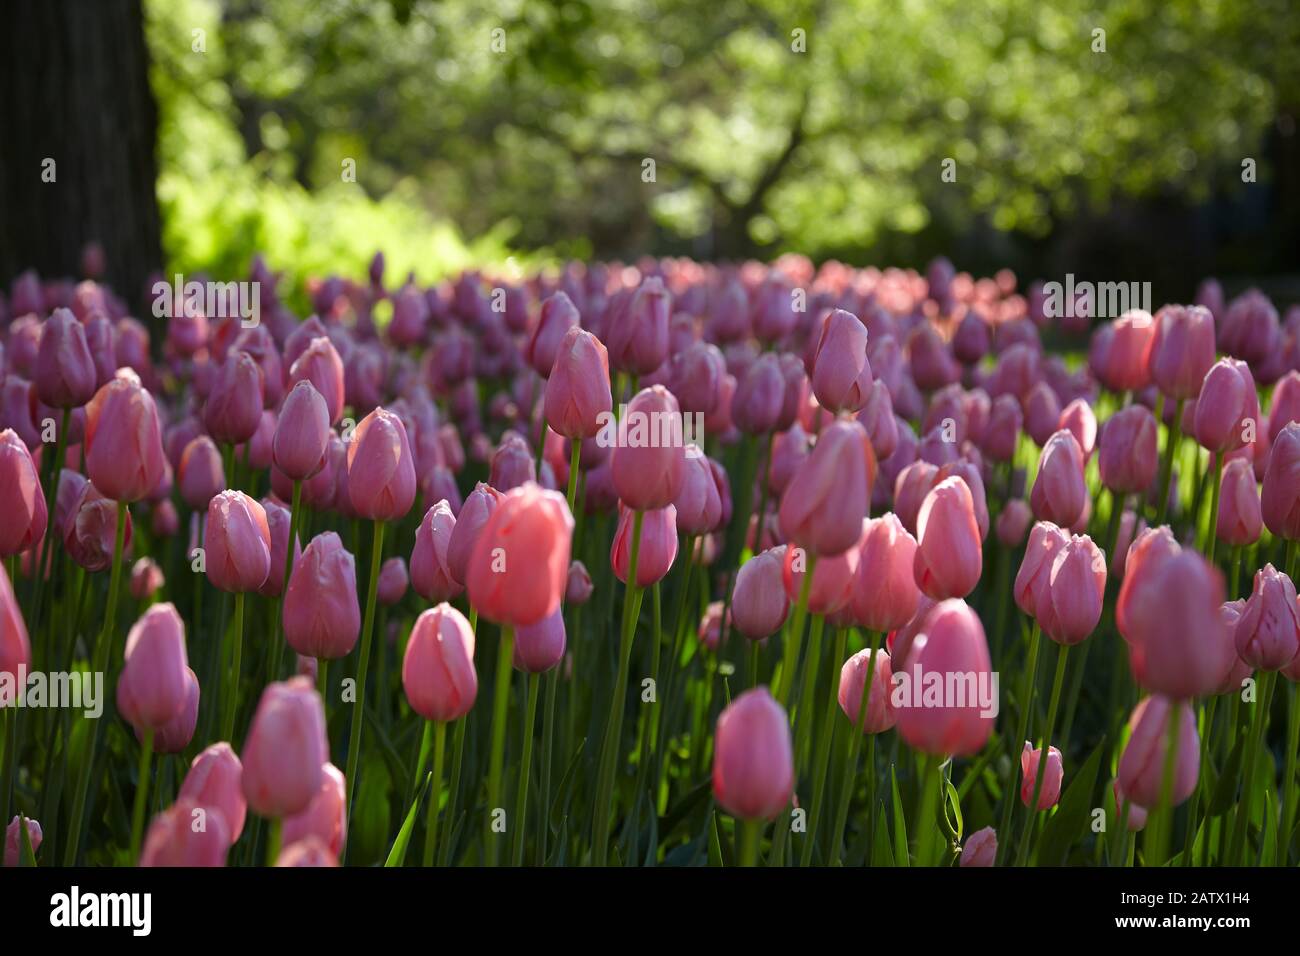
(698, 505)
(760, 396)
(539, 647)
(13, 840)
(15, 647)
(175, 839)
(325, 818)
(392, 581)
(146, 579)
(1075, 588)
(153, 687)
(1030, 763)
(429, 568)
(1148, 550)
(302, 433)
(952, 643)
(201, 475)
(759, 605)
(381, 469)
(1059, 494)
(1013, 523)
(277, 520)
(969, 472)
(949, 556)
(438, 673)
(649, 460)
(310, 851)
(557, 316)
(1182, 349)
(753, 760)
(471, 518)
(1042, 413)
(829, 496)
(1079, 420)
(213, 781)
(832, 582)
(1005, 423)
(1127, 458)
(517, 572)
(1141, 766)
(65, 374)
(658, 548)
(1280, 499)
(237, 543)
(980, 848)
(1285, 405)
(90, 529)
(911, 487)
(322, 617)
(512, 463)
(285, 751)
(696, 375)
(122, 450)
(1267, 635)
(233, 408)
(880, 714)
(578, 398)
(1239, 520)
(175, 735)
(22, 502)
(877, 417)
(1126, 366)
(578, 588)
(638, 337)
(884, 596)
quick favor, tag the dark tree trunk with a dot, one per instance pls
(74, 88)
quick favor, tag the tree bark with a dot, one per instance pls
(74, 89)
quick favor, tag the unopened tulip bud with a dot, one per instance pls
(65, 369)
(1239, 521)
(885, 595)
(578, 395)
(880, 715)
(823, 508)
(1030, 763)
(1059, 493)
(438, 673)
(649, 461)
(980, 848)
(237, 542)
(1280, 499)
(302, 433)
(517, 572)
(1141, 766)
(1268, 634)
(285, 751)
(213, 781)
(201, 475)
(153, 687)
(658, 547)
(759, 605)
(325, 817)
(381, 468)
(322, 617)
(539, 647)
(122, 449)
(146, 579)
(753, 760)
(949, 556)
(22, 502)
(1182, 349)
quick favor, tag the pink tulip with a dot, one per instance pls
(969, 472)
(237, 542)
(277, 521)
(429, 570)
(22, 502)
(438, 673)
(302, 433)
(823, 508)
(1182, 350)
(759, 605)
(519, 567)
(213, 781)
(320, 365)
(186, 834)
(392, 581)
(545, 345)
(1077, 582)
(1285, 407)
(1128, 356)
(1227, 408)
(123, 450)
(698, 504)
(153, 687)
(146, 579)
(949, 557)
(1267, 636)
(325, 817)
(13, 840)
(832, 580)
(1005, 423)
(15, 647)
(1280, 500)
(884, 595)
(65, 370)
(539, 647)
(952, 644)
(473, 515)
(638, 337)
(1178, 643)
(578, 587)
(1079, 420)
(841, 376)
(90, 529)
(1141, 766)
(1137, 816)
(1013, 523)
(381, 469)
(753, 760)
(233, 409)
(285, 751)
(658, 549)
(175, 735)
(322, 617)
(1030, 763)
(1239, 521)
(201, 475)
(695, 376)
(1042, 413)
(578, 399)
(649, 461)
(980, 849)
(913, 484)
(880, 715)
(760, 396)
(1059, 494)
(310, 851)
(1127, 458)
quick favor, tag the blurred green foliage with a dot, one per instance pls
(538, 134)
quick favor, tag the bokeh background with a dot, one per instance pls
(190, 134)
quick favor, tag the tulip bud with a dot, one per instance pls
(649, 460)
(175, 735)
(285, 751)
(1059, 494)
(176, 839)
(760, 396)
(1280, 500)
(884, 594)
(471, 518)
(1141, 766)
(201, 475)
(880, 715)
(1127, 458)
(1267, 636)
(823, 508)
(1227, 408)
(65, 370)
(1127, 359)
(1076, 584)
(13, 840)
(1182, 349)
(698, 505)
(638, 338)
(234, 404)
(518, 569)
(578, 398)
(381, 469)
(539, 647)
(658, 547)
(1005, 422)
(320, 365)
(438, 674)
(122, 449)
(753, 761)
(146, 579)
(512, 463)
(22, 502)
(325, 817)
(302, 433)
(153, 687)
(546, 343)
(758, 602)
(322, 618)
(90, 529)
(1012, 523)
(213, 782)
(980, 848)
(237, 542)
(949, 556)
(841, 377)
(1030, 763)
(15, 647)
